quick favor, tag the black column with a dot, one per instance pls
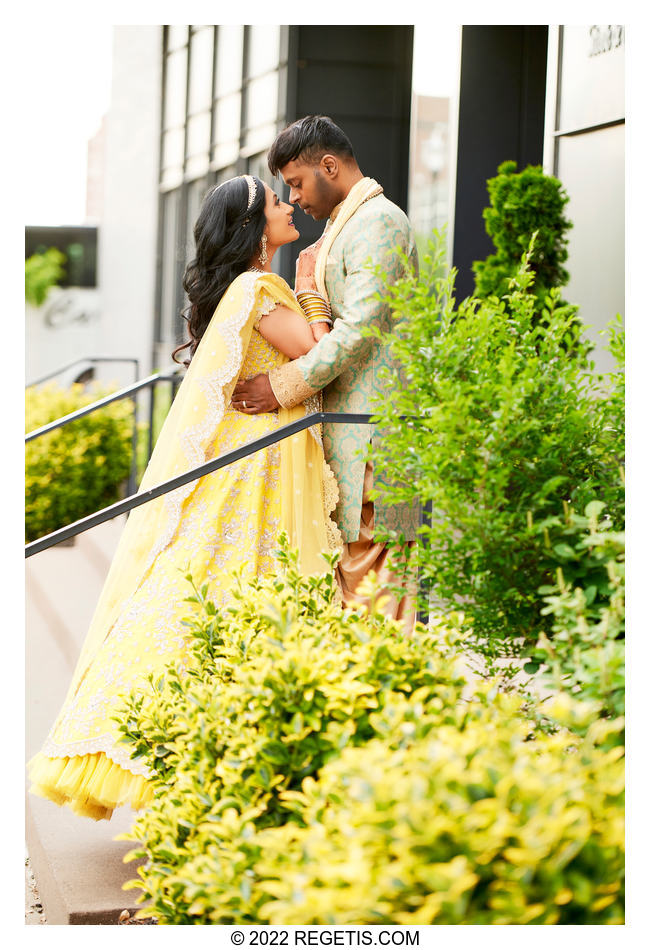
(361, 77)
(501, 116)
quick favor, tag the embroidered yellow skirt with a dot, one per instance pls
(233, 517)
(227, 520)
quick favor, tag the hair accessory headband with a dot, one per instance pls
(252, 190)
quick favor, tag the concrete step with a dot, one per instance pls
(76, 862)
(78, 865)
(99, 544)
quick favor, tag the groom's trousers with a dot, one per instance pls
(366, 554)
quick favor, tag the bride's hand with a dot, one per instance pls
(306, 269)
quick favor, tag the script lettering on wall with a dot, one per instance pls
(603, 39)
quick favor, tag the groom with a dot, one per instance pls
(316, 160)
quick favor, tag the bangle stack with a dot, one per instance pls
(315, 308)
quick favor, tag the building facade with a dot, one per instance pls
(195, 105)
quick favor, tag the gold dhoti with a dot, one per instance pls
(366, 554)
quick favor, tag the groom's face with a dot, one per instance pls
(310, 188)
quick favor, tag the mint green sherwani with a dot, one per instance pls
(346, 365)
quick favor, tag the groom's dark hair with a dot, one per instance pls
(309, 139)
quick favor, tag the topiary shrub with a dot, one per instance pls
(499, 429)
(315, 764)
(522, 204)
(73, 471)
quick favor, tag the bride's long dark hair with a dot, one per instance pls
(227, 235)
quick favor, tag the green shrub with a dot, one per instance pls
(584, 653)
(73, 471)
(522, 204)
(277, 686)
(503, 430)
(42, 271)
(315, 764)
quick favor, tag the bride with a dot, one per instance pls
(242, 320)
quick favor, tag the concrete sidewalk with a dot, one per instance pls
(76, 862)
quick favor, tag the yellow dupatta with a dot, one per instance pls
(308, 488)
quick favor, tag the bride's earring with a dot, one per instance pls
(263, 254)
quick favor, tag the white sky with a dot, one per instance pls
(66, 92)
(436, 55)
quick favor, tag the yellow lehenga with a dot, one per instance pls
(228, 519)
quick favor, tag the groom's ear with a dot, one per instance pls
(330, 165)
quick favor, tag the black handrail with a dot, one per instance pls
(141, 498)
(124, 393)
(87, 359)
(100, 403)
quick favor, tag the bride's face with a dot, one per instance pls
(279, 228)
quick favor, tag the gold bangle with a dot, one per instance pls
(313, 304)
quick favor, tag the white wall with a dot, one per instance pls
(585, 94)
(128, 232)
(65, 328)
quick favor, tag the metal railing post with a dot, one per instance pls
(423, 591)
(152, 396)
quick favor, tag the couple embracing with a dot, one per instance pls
(260, 357)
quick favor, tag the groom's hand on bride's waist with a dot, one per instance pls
(254, 395)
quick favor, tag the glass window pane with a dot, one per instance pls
(225, 154)
(227, 119)
(230, 52)
(171, 178)
(261, 137)
(172, 151)
(171, 204)
(263, 49)
(198, 134)
(257, 165)
(262, 100)
(436, 62)
(201, 70)
(226, 174)
(175, 83)
(197, 165)
(196, 192)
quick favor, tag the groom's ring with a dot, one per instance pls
(244, 404)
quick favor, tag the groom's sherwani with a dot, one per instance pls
(346, 365)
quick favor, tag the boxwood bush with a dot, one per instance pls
(467, 821)
(73, 471)
(313, 764)
(522, 204)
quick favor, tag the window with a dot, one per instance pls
(221, 111)
(436, 63)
